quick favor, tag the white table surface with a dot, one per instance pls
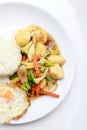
(72, 112)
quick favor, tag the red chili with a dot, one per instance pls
(35, 59)
(24, 57)
(18, 84)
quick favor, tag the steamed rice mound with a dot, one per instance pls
(10, 57)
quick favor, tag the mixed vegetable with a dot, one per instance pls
(41, 64)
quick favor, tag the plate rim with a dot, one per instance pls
(53, 17)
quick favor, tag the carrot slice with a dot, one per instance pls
(33, 90)
(36, 91)
(37, 72)
(36, 57)
(42, 92)
(18, 84)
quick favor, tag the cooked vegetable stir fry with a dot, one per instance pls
(41, 64)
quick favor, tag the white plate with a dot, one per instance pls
(15, 16)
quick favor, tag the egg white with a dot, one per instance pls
(15, 107)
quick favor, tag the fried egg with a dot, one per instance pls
(13, 102)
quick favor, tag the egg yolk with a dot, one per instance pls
(6, 94)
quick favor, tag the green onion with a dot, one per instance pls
(13, 76)
(49, 63)
(34, 80)
(27, 86)
(24, 88)
(31, 77)
(30, 83)
(48, 78)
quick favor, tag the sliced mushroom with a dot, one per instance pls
(43, 84)
(59, 59)
(31, 52)
(41, 36)
(22, 37)
(22, 73)
(56, 72)
(32, 28)
(34, 40)
(51, 87)
(26, 48)
(41, 49)
(42, 61)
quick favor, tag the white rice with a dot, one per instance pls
(10, 57)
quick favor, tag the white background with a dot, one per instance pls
(72, 112)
